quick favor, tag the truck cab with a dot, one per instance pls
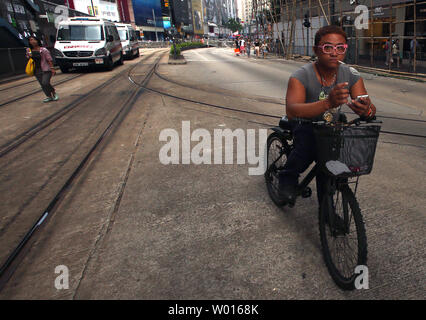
(129, 40)
(87, 42)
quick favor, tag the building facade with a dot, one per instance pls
(368, 24)
(149, 18)
(20, 19)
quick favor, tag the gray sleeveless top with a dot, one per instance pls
(306, 75)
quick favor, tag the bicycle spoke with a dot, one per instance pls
(343, 246)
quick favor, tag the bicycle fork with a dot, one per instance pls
(332, 187)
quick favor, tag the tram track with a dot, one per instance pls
(379, 117)
(12, 144)
(17, 85)
(23, 96)
(14, 257)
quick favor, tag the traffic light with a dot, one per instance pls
(306, 22)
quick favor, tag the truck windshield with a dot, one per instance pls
(80, 33)
(123, 34)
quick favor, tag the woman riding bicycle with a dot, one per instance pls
(316, 91)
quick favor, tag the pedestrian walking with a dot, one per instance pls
(248, 48)
(237, 46)
(395, 52)
(43, 67)
(264, 49)
(257, 47)
(242, 46)
(413, 49)
(387, 48)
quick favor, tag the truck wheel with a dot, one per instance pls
(109, 65)
(120, 62)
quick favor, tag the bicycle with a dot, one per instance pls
(340, 218)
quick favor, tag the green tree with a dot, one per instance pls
(233, 25)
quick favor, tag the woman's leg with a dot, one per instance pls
(301, 156)
(39, 77)
(46, 86)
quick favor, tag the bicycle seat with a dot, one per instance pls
(285, 123)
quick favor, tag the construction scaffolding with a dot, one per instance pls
(382, 34)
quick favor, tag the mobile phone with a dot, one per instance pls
(361, 97)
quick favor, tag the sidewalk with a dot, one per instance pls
(379, 69)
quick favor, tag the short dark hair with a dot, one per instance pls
(37, 39)
(328, 30)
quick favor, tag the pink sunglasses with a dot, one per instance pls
(329, 48)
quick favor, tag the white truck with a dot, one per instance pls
(129, 40)
(87, 42)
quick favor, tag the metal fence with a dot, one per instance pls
(13, 61)
(154, 44)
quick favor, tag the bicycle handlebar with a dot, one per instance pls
(356, 121)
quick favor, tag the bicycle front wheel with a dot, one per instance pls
(343, 237)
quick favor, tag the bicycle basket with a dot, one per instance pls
(346, 151)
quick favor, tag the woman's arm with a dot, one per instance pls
(49, 60)
(296, 97)
(364, 107)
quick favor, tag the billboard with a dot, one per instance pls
(166, 23)
(181, 12)
(197, 16)
(216, 11)
(143, 13)
(101, 9)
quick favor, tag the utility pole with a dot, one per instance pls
(307, 24)
(155, 26)
(93, 9)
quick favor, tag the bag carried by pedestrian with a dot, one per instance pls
(29, 69)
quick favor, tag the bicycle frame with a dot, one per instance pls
(307, 180)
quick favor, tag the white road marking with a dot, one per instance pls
(203, 57)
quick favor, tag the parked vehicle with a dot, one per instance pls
(87, 42)
(129, 40)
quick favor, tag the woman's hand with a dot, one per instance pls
(363, 107)
(53, 71)
(339, 95)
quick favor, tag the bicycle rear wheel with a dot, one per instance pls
(343, 237)
(277, 153)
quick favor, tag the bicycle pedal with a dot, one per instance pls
(291, 203)
(307, 192)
